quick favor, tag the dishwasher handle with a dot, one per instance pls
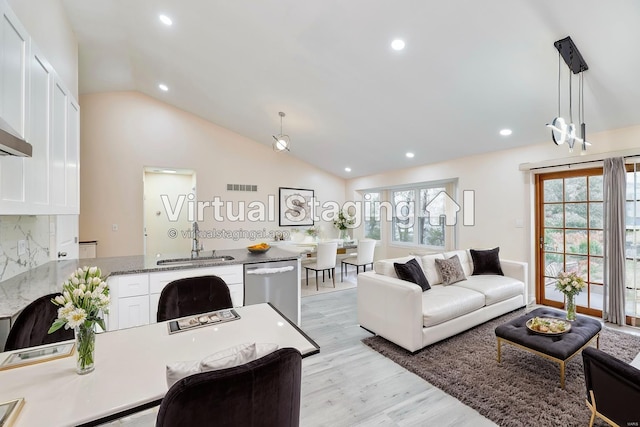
(267, 270)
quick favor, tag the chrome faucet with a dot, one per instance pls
(196, 247)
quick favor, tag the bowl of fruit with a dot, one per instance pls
(260, 248)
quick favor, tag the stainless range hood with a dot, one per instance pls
(11, 144)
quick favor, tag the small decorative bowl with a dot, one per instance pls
(259, 250)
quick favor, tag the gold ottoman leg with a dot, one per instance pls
(499, 348)
(562, 374)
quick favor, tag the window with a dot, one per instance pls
(413, 220)
(372, 215)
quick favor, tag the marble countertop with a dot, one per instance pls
(17, 292)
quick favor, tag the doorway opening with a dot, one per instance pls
(166, 191)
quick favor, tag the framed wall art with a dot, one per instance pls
(296, 207)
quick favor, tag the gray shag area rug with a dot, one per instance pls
(522, 391)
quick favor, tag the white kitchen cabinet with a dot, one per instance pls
(133, 311)
(128, 292)
(14, 51)
(37, 105)
(38, 132)
(129, 301)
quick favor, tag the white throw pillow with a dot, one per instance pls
(229, 358)
(430, 270)
(262, 349)
(178, 370)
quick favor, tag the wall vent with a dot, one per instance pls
(242, 187)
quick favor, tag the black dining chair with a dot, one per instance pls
(613, 388)
(263, 392)
(32, 325)
(193, 295)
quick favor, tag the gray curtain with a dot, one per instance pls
(614, 229)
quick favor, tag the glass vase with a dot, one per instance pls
(343, 234)
(85, 348)
(571, 308)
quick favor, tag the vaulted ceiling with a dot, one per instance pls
(469, 69)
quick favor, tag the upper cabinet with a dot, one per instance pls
(14, 43)
(36, 103)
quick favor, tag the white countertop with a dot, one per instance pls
(130, 367)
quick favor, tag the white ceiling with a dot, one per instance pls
(469, 69)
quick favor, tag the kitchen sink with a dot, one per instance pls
(194, 261)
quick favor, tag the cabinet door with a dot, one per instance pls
(73, 157)
(237, 294)
(58, 180)
(133, 311)
(14, 44)
(37, 167)
(153, 307)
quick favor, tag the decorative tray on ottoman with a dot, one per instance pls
(550, 326)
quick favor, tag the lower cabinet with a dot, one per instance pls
(134, 298)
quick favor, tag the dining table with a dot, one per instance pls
(130, 367)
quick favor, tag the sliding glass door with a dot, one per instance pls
(632, 246)
(569, 232)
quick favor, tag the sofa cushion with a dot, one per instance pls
(444, 303)
(465, 260)
(486, 261)
(450, 270)
(494, 288)
(386, 268)
(430, 269)
(411, 271)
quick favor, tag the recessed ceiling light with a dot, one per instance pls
(397, 44)
(347, 169)
(163, 87)
(165, 20)
(506, 132)
(410, 155)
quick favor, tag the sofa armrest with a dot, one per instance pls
(517, 270)
(391, 308)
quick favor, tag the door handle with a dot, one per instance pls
(62, 254)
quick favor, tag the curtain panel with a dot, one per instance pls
(614, 183)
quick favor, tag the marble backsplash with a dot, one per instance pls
(35, 231)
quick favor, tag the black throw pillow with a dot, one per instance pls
(486, 262)
(412, 272)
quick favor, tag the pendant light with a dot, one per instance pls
(562, 132)
(281, 142)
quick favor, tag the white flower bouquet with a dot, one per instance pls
(85, 296)
(343, 221)
(570, 284)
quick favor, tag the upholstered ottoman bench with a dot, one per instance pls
(558, 348)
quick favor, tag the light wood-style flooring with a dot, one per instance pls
(348, 384)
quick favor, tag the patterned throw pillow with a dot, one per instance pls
(450, 270)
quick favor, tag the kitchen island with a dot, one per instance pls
(17, 292)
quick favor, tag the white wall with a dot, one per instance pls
(503, 193)
(46, 21)
(122, 132)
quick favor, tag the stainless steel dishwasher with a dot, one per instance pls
(275, 282)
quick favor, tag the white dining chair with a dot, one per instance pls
(325, 261)
(366, 248)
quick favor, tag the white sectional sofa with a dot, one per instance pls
(401, 312)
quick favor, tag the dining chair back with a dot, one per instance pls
(326, 255)
(263, 392)
(193, 295)
(32, 325)
(613, 388)
(366, 250)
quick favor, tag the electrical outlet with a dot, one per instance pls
(114, 227)
(22, 247)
